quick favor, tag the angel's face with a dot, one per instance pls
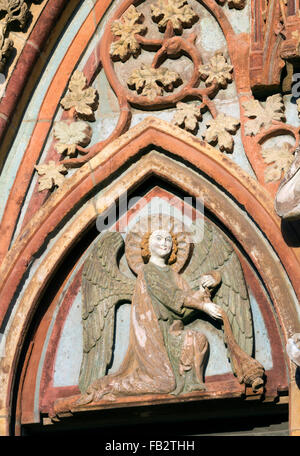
(160, 243)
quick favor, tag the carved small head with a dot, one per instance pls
(160, 243)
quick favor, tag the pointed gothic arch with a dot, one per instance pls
(53, 226)
(179, 169)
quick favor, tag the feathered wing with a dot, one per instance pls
(103, 286)
(215, 253)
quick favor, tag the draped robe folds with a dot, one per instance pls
(161, 357)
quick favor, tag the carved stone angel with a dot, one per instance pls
(172, 283)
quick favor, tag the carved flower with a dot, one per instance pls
(187, 115)
(262, 117)
(71, 135)
(176, 11)
(217, 70)
(279, 160)
(126, 28)
(220, 130)
(80, 97)
(51, 175)
(150, 81)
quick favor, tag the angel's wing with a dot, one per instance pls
(103, 286)
(214, 253)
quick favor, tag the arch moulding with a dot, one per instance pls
(149, 134)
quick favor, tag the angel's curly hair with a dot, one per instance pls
(145, 251)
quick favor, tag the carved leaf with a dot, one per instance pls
(237, 4)
(146, 80)
(187, 115)
(217, 70)
(51, 175)
(71, 135)
(4, 5)
(215, 253)
(126, 28)
(80, 97)
(262, 117)
(296, 38)
(220, 130)
(176, 11)
(16, 10)
(279, 160)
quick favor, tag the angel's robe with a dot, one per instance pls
(162, 357)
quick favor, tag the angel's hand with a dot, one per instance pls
(208, 281)
(213, 310)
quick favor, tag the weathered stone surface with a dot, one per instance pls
(263, 116)
(163, 38)
(287, 201)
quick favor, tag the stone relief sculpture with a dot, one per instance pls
(287, 202)
(173, 285)
(293, 348)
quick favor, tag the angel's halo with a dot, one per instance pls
(152, 223)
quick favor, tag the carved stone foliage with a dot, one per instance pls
(238, 4)
(163, 30)
(81, 98)
(177, 12)
(16, 13)
(274, 43)
(267, 119)
(71, 136)
(220, 130)
(52, 175)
